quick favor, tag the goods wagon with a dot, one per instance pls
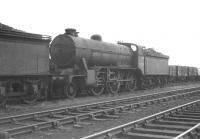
(178, 73)
(172, 70)
(24, 60)
(192, 73)
(173, 77)
(182, 73)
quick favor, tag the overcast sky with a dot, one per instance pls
(169, 26)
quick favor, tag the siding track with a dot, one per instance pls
(107, 110)
(182, 122)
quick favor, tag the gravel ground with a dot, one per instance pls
(45, 105)
(70, 132)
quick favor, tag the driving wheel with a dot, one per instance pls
(113, 87)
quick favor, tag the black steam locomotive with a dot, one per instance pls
(76, 65)
(98, 66)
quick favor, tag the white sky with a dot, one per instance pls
(169, 26)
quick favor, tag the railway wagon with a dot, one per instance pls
(180, 73)
(24, 60)
(173, 73)
(192, 73)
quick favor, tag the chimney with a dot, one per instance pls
(72, 32)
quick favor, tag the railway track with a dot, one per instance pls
(182, 122)
(27, 123)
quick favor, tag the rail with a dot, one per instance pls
(74, 115)
(127, 128)
(190, 133)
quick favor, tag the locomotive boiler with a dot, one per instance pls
(93, 64)
(67, 50)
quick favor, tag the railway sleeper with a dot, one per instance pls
(175, 122)
(83, 110)
(93, 109)
(146, 136)
(111, 116)
(128, 112)
(41, 119)
(95, 118)
(77, 126)
(167, 127)
(14, 121)
(81, 124)
(187, 116)
(191, 111)
(164, 132)
(182, 119)
(59, 116)
(104, 107)
(74, 113)
(123, 110)
(192, 114)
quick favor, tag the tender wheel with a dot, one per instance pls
(165, 82)
(132, 85)
(32, 93)
(96, 91)
(71, 90)
(150, 84)
(3, 98)
(159, 83)
(113, 87)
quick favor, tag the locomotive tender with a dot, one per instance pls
(77, 65)
(24, 60)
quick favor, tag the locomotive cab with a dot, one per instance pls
(136, 50)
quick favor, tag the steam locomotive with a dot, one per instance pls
(98, 66)
(76, 65)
